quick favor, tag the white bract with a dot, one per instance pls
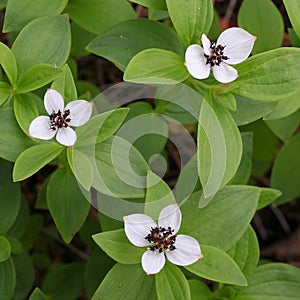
(233, 46)
(161, 239)
(76, 113)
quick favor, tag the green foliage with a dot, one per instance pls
(131, 37)
(132, 154)
(67, 205)
(265, 23)
(93, 16)
(171, 284)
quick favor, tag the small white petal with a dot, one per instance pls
(195, 62)
(187, 251)
(225, 73)
(53, 101)
(66, 136)
(238, 44)
(170, 216)
(80, 112)
(153, 261)
(206, 44)
(137, 227)
(40, 128)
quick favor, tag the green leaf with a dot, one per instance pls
(97, 130)
(199, 288)
(12, 140)
(227, 100)
(24, 275)
(220, 148)
(4, 248)
(191, 19)
(116, 245)
(293, 10)
(244, 171)
(285, 127)
(18, 14)
(97, 16)
(33, 159)
(37, 294)
(188, 180)
(65, 85)
(36, 77)
(5, 92)
(267, 196)
(264, 76)
(100, 127)
(156, 66)
(45, 40)
(25, 110)
(248, 110)
(272, 281)
(155, 4)
(171, 284)
(284, 107)
(7, 279)
(121, 169)
(218, 220)
(286, 171)
(123, 41)
(8, 63)
(21, 222)
(81, 166)
(262, 19)
(64, 282)
(293, 37)
(126, 282)
(213, 265)
(95, 270)
(158, 195)
(246, 252)
(67, 205)
(10, 197)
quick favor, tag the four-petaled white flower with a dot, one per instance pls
(233, 46)
(76, 113)
(161, 239)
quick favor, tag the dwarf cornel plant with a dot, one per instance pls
(138, 141)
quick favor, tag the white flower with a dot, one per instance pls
(232, 47)
(76, 113)
(161, 239)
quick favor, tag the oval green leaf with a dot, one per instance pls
(191, 19)
(97, 16)
(122, 42)
(18, 14)
(4, 249)
(218, 266)
(67, 205)
(269, 76)
(12, 139)
(33, 159)
(8, 63)
(262, 19)
(10, 197)
(25, 110)
(156, 66)
(7, 279)
(116, 245)
(127, 282)
(272, 281)
(171, 284)
(45, 40)
(215, 224)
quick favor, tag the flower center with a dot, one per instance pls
(161, 239)
(216, 55)
(59, 120)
